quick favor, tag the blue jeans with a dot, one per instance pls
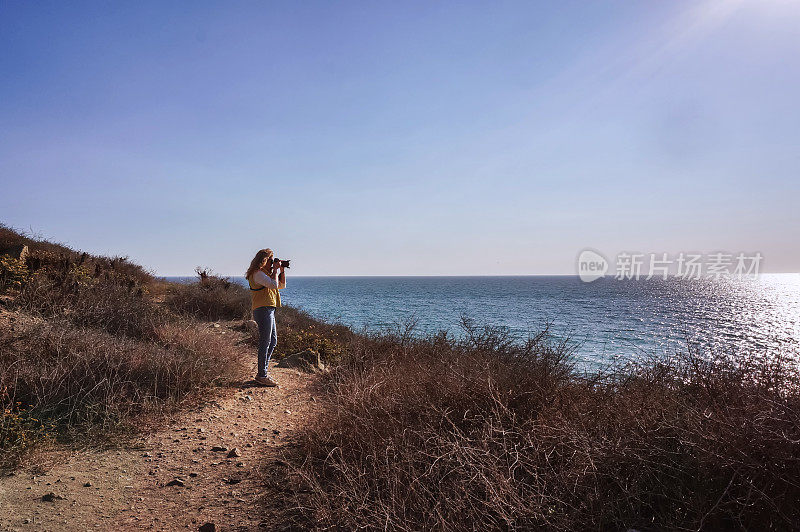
(267, 337)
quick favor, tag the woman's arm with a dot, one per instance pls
(282, 279)
(265, 280)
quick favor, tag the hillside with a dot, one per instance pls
(114, 383)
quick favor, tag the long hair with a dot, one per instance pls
(255, 264)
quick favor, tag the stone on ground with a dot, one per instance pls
(307, 361)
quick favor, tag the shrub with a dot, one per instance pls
(102, 349)
(52, 256)
(10, 237)
(211, 298)
(298, 331)
(73, 379)
(486, 434)
(13, 273)
(114, 304)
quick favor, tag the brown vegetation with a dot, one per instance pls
(212, 297)
(298, 331)
(85, 347)
(487, 434)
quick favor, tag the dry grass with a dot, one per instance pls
(85, 348)
(76, 379)
(298, 331)
(484, 434)
(45, 254)
(212, 297)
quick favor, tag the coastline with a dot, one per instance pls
(608, 320)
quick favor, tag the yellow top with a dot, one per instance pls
(263, 296)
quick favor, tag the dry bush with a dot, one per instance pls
(298, 331)
(102, 349)
(211, 298)
(13, 273)
(70, 379)
(52, 256)
(109, 294)
(118, 307)
(11, 237)
(486, 434)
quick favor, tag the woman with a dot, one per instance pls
(266, 276)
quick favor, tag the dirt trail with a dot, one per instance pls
(127, 488)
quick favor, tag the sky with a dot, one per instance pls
(402, 138)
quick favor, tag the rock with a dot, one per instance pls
(251, 327)
(208, 527)
(235, 453)
(307, 361)
(176, 482)
(16, 252)
(219, 449)
(287, 411)
(231, 480)
(51, 497)
(193, 474)
(87, 484)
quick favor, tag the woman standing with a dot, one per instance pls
(266, 276)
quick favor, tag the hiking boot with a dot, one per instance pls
(265, 381)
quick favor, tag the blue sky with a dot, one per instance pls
(402, 138)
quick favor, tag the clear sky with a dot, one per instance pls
(402, 137)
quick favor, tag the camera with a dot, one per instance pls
(282, 263)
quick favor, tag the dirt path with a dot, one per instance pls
(128, 488)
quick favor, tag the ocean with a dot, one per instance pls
(607, 319)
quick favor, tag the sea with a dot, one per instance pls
(605, 321)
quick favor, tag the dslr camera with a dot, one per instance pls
(282, 263)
